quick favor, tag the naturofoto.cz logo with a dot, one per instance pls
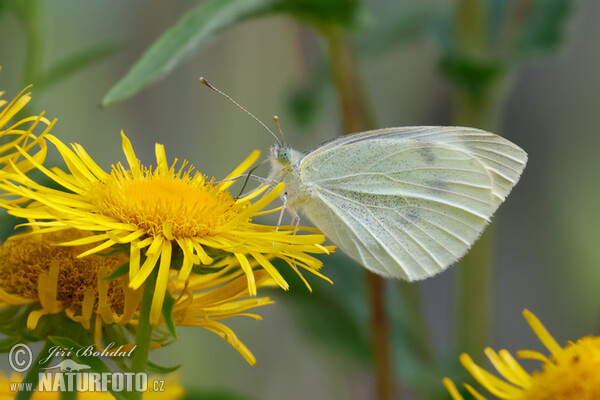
(69, 375)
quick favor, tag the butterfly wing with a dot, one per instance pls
(408, 202)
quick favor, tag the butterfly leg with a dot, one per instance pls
(296, 222)
(280, 215)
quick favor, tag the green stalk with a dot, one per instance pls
(70, 395)
(356, 116)
(32, 375)
(480, 110)
(33, 52)
(143, 337)
(417, 326)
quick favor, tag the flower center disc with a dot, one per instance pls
(168, 206)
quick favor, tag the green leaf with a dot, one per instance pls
(398, 24)
(159, 369)
(167, 313)
(74, 63)
(8, 343)
(196, 26)
(32, 375)
(122, 270)
(212, 17)
(543, 30)
(349, 14)
(470, 74)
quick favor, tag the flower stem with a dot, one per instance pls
(356, 116)
(32, 375)
(380, 337)
(480, 110)
(143, 336)
(70, 394)
(33, 54)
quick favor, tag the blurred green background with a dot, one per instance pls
(548, 230)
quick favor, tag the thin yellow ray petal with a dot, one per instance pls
(132, 160)
(87, 307)
(253, 194)
(473, 392)
(48, 173)
(152, 255)
(504, 370)
(494, 385)
(15, 299)
(89, 162)
(248, 271)
(240, 169)
(161, 283)
(521, 375)
(127, 238)
(97, 249)
(34, 317)
(204, 257)
(273, 210)
(541, 332)
(266, 264)
(452, 389)
(74, 163)
(231, 338)
(161, 158)
(532, 355)
(248, 212)
(188, 257)
(134, 259)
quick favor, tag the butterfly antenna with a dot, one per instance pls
(205, 83)
(276, 119)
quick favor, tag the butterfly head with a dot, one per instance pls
(284, 154)
(281, 153)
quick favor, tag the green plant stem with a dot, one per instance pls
(475, 276)
(356, 116)
(32, 375)
(70, 395)
(33, 53)
(417, 326)
(355, 111)
(143, 336)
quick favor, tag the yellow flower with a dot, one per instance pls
(158, 209)
(20, 134)
(206, 299)
(34, 270)
(172, 390)
(570, 372)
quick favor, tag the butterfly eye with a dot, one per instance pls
(285, 155)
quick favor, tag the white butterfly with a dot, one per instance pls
(403, 202)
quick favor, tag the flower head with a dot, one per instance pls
(160, 210)
(570, 372)
(19, 135)
(35, 270)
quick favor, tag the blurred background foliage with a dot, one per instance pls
(100, 67)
